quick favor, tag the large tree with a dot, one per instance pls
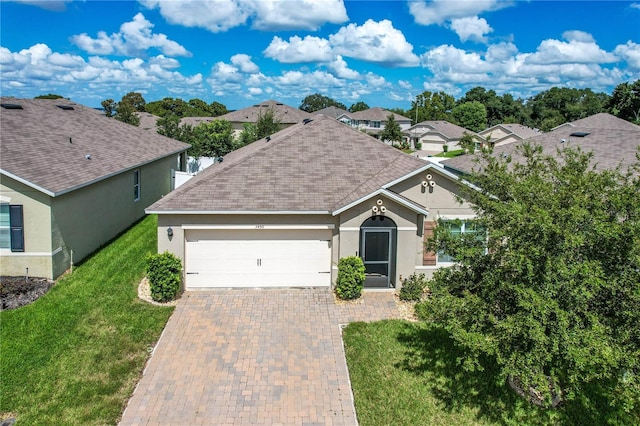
(134, 99)
(126, 113)
(392, 132)
(212, 139)
(316, 102)
(358, 106)
(559, 105)
(625, 101)
(550, 290)
(431, 106)
(470, 115)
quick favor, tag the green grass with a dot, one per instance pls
(406, 373)
(450, 154)
(74, 356)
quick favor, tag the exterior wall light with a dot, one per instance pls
(169, 233)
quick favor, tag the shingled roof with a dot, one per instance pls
(449, 130)
(56, 146)
(614, 142)
(284, 114)
(316, 166)
(376, 114)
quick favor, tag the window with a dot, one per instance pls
(375, 124)
(136, 185)
(459, 227)
(11, 227)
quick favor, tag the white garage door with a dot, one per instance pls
(257, 258)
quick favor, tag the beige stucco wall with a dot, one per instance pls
(85, 219)
(37, 238)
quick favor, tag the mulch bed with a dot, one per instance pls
(19, 291)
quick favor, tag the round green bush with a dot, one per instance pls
(413, 287)
(350, 278)
(164, 272)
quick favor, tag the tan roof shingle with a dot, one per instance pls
(58, 150)
(317, 166)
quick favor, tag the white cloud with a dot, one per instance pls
(440, 11)
(244, 63)
(630, 52)
(340, 69)
(226, 73)
(635, 5)
(579, 48)
(133, 39)
(276, 15)
(255, 91)
(299, 50)
(471, 28)
(376, 42)
(269, 15)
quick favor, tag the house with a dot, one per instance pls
(71, 179)
(333, 111)
(372, 120)
(283, 210)
(437, 136)
(502, 134)
(285, 115)
(612, 141)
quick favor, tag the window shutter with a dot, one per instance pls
(428, 257)
(16, 223)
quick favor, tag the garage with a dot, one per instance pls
(257, 257)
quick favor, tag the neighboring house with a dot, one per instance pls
(614, 142)
(71, 179)
(434, 136)
(372, 120)
(285, 115)
(502, 134)
(148, 121)
(283, 210)
(333, 112)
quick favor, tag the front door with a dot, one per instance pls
(376, 254)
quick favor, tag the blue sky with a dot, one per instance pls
(240, 52)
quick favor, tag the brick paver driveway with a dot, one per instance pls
(252, 356)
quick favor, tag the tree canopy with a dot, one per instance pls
(470, 115)
(213, 139)
(192, 108)
(625, 101)
(316, 102)
(551, 292)
(358, 106)
(392, 131)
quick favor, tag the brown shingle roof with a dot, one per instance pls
(46, 146)
(283, 113)
(332, 111)
(612, 141)
(377, 114)
(319, 166)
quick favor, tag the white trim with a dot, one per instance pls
(5, 200)
(348, 229)
(237, 212)
(427, 267)
(407, 228)
(257, 227)
(455, 216)
(389, 194)
(407, 176)
(9, 253)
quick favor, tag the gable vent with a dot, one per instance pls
(65, 107)
(11, 106)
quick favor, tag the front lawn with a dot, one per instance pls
(450, 154)
(405, 373)
(74, 356)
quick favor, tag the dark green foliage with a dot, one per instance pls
(467, 142)
(432, 106)
(470, 115)
(316, 102)
(392, 132)
(164, 272)
(178, 107)
(126, 113)
(135, 100)
(553, 292)
(213, 139)
(266, 125)
(559, 105)
(358, 106)
(413, 287)
(49, 96)
(625, 101)
(350, 278)
(109, 106)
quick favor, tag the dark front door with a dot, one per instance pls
(376, 254)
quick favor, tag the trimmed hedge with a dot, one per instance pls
(350, 278)
(164, 272)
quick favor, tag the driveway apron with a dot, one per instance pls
(253, 356)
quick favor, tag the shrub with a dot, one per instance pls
(413, 287)
(350, 278)
(164, 274)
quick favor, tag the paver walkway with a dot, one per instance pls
(253, 356)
